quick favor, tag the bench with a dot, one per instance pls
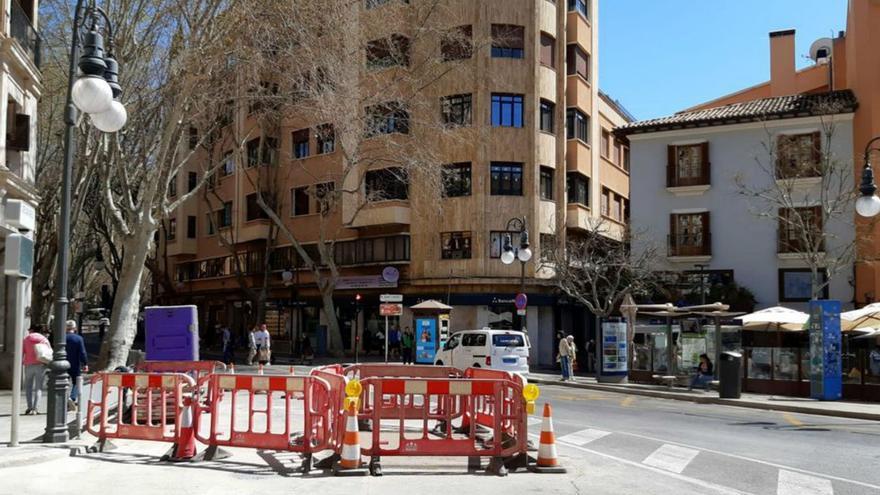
(669, 380)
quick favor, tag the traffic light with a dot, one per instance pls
(357, 303)
(357, 298)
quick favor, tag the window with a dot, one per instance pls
(800, 229)
(605, 145)
(172, 229)
(506, 179)
(508, 41)
(301, 143)
(228, 167)
(191, 227)
(577, 61)
(172, 186)
(326, 138)
(253, 211)
(456, 180)
(578, 188)
(616, 206)
(473, 339)
(604, 201)
(388, 52)
(324, 196)
(507, 110)
(261, 154)
(624, 155)
(387, 118)
(301, 201)
(455, 245)
(582, 7)
(224, 215)
(547, 183)
(372, 250)
(548, 245)
(386, 184)
(617, 153)
(192, 180)
(210, 225)
(799, 155)
(457, 44)
(193, 138)
(548, 50)
(688, 165)
(496, 242)
(796, 284)
(689, 234)
(457, 110)
(547, 115)
(577, 125)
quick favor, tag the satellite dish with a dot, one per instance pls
(821, 50)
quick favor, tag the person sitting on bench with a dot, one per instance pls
(704, 375)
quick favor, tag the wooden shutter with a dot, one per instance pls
(707, 234)
(818, 225)
(704, 164)
(673, 241)
(547, 45)
(817, 150)
(670, 166)
(20, 138)
(781, 151)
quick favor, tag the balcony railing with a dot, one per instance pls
(794, 246)
(23, 31)
(689, 244)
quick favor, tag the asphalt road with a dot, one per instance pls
(718, 448)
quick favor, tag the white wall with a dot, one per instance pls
(741, 241)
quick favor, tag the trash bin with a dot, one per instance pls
(730, 376)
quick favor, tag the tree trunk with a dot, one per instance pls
(814, 283)
(123, 320)
(334, 335)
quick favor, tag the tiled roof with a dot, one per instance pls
(780, 107)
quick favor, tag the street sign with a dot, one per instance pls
(521, 301)
(391, 298)
(18, 259)
(390, 309)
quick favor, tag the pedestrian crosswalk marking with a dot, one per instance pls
(535, 421)
(791, 483)
(584, 437)
(671, 458)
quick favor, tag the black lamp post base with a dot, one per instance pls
(56, 411)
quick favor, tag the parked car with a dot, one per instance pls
(506, 350)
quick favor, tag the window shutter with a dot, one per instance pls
(817, 149)
(704, 165)
(707, 234)
(670, 166)
(672, 234)
(21, 133)
(781, 145)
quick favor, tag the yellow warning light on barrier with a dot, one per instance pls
(530, 407)
(349, 402)
(531, 392)
(353, 388)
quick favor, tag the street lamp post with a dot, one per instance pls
(521, 252)
(868, 204)
(93, 89)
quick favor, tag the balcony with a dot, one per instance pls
(788, 248)
(21, 29)
(689, 186)
(390, 212)
(689, 247)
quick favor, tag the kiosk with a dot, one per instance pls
(430, 329)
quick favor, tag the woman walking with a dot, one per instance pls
(35, 349)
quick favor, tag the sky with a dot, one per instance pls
(658, 57)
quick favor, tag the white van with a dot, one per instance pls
(506, 350)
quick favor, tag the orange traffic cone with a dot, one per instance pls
(184, 449)
(350, 460)
(548, 461)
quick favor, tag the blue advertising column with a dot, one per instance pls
(826, 381)
(426, 339)
(613, 353)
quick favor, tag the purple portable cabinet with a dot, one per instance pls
(172, 333)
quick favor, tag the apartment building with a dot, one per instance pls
(20, 89)
(546, 153)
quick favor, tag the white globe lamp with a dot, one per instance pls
(868, 206)
(92, 94)
(111, 120)
(507, 257)
(524, 254)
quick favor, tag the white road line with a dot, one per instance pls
(535, 421)
(671, 458)
(687, 479)
(750, 459)
(791, 483)
(584, 437)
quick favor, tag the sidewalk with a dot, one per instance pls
(841, 409)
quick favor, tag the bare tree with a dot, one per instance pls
(807, 189)
(297, 69)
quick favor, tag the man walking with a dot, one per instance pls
(78, 359)
(406, 346)
(565, 356)
(262, 345)
(252, 346)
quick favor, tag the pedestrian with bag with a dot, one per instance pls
(36, 353)
(262, 345)
(78, 359)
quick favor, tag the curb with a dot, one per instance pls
(714, 400)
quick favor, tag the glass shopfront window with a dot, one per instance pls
(785, 363)
(760, 363)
